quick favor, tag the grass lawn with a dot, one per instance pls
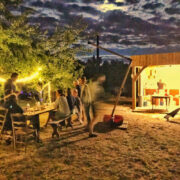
(148, 149)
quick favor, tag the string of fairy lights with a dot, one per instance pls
(31, 77)
(26, 79)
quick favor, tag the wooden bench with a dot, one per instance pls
(55, 124)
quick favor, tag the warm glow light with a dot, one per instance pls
(119, 1)
(48, 85)
(169, 76)
(107, 6)
(26, 79)
(49, 91)
(2, 80)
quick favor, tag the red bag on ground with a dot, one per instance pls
(118, 120)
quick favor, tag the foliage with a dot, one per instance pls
(23, 48)
(114, 71)
(62, 67)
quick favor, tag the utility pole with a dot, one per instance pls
(97, 49)
(125, 77)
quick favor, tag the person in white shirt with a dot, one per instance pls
(62, 107)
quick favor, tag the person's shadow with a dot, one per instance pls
(102, 127)
(174, 122)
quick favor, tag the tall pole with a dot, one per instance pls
(112, 52)
(125, 78)
(97, 48)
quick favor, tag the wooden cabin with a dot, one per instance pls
(155, 75)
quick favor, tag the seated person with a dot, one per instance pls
(13, 107)
(2, 100)
(62, 107)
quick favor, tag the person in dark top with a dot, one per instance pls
(9, 86)
(78, 105)
(2, 100)
(70, 100)
(13, 107)
(78, 87)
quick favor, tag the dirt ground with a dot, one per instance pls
(148, 149)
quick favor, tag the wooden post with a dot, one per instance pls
(121, 89)
(135, 77)
(125, 78)
(133, 88)
(112, 52)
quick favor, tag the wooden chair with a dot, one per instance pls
(20, 130)
(3, 113)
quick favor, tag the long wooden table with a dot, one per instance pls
(38, 112)
(30, 114)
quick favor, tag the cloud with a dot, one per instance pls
(121, 23)
(108, 6)
(152, 5)
(172, 10)
(132, 1)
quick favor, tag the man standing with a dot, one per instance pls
(86, 100)
(9, 86)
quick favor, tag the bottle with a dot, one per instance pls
(38, 105)
(28, 106)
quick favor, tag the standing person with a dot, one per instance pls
(9, 86)
(86, 100)
(78, 87)
(97, 94)
(71, 100)
(78, 105)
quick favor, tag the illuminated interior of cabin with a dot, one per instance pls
(159, 81)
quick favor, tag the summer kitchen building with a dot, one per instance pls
(156, 80)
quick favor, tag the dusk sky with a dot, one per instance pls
(125, 26)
